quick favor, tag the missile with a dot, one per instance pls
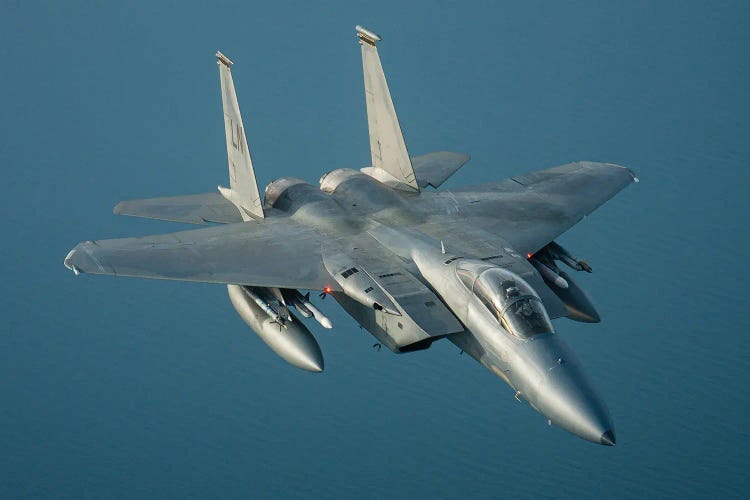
(548, 274)
(317, 314)
(560, 253)
(585, 265)
(570, 262)
(290, 296)
(304, 311)
(295, 344)
(265, 306)
(306, 308)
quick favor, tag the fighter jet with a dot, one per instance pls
(412, 264)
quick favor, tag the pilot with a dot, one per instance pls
(526, 310)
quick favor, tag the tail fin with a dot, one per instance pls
(243, 188)
(387, 146)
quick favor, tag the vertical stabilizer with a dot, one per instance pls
(387, 144)
(243, 188)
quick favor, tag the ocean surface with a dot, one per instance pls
(125, 388)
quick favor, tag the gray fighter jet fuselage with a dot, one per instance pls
(476, 265)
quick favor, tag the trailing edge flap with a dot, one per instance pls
(191, 208)
(254, 254)
(433, 169)
(387, 145)
(243, 188)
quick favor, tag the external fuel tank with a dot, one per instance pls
(292, 341)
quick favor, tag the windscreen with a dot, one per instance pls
(513, 302)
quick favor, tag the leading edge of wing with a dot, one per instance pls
(273, 253)
(531, 210)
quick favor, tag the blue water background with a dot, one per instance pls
(116, 387)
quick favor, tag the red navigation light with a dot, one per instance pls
(528, 255)
(327, 289)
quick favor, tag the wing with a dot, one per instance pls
(531, 210)
(191, 208)
(273, 253)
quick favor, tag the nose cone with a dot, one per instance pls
(570, 401)
(558, 388)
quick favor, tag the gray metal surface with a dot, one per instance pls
(293, 342)
(533, 209)
(387, 145)
(190, 208)
(433, 169)
(404, 262)
(421, 314)
(243, 254)
(243, 189)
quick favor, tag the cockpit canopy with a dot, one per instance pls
(509, 298)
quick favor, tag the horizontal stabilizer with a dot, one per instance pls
(191, 208)
(433, 169)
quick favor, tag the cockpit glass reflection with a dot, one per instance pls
(513, 302)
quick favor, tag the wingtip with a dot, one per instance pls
(629, 170)
(83, 259)
(69, 262)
